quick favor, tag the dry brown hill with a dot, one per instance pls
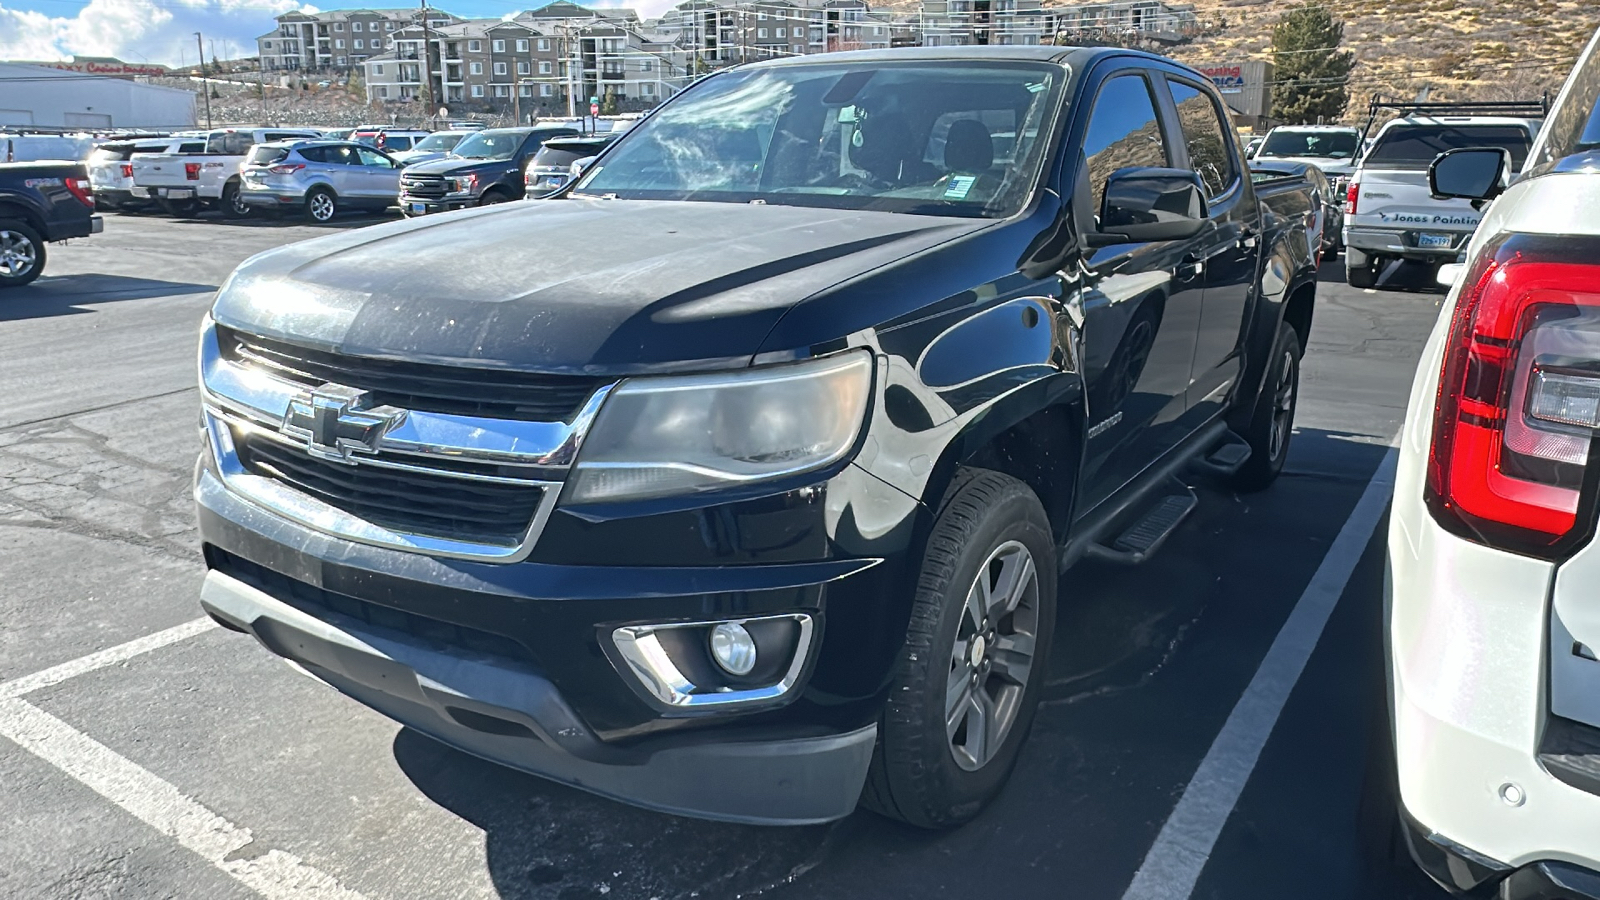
(1456, 49)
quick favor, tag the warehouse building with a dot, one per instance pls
(45, 97)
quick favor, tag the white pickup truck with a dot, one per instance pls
(183, 183)
(1391, 214)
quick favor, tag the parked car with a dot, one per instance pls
(40, 203)
(319, 178)
(1493, 568)
(111, 168)
(465, 125)
(184, 183)
(1390, 213)
(437, 145)
(1253, 146)
(735, 481)
(551, 168)
(484, 169)
(1331, 148)
(1301, 190)
(389, 140)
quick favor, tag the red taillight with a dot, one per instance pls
(1352, 195)
(127, 170)
(80, 188)
(286, 168)
(191, 171)
(1519, 399)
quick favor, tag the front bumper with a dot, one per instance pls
(419, 206)
(512, 715)
(1462, 870)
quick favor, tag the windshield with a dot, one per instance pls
(1322, 144)
(438, 143)
(937, 139)
(1415, 146)
(491, 145)
(32, 148)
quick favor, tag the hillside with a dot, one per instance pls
(1457, 49)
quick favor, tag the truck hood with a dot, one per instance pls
(572, 285)
(1327, 165)
(450, 165)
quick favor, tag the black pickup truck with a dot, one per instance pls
(482, 170)
(739, 479)
(40, 203)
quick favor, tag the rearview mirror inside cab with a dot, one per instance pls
(1150, 204)
(1470, 173)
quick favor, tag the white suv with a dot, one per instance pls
(1493, 598)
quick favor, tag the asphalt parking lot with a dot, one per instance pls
(1174, 756)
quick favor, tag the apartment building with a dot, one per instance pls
(529, 63)
(1142, 18)
(337, 40)
(725, 32)
(953, 23)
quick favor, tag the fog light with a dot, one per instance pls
(733, 648)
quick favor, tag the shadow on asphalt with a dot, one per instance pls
(1148, 663)
(67, 295)
(281, 219)
(1403, 275)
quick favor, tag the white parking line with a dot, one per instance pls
(272, 873)
(1173, 865)
(102, 658)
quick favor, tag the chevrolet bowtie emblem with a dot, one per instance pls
(335, 422)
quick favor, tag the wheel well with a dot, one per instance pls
(14, 211)
(1297, 312)
(1042, 451)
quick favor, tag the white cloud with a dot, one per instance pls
(158, 31)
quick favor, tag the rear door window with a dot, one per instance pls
(1416, 146)
(1207, 139)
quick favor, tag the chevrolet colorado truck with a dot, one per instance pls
(40, 203)
(739, 479)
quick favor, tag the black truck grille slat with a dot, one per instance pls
(423, 187)
(317, 602)
(411, 502)
(424, 387)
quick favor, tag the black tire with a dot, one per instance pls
(915, 776)
(1272, 420)
(1361, 276)
(321, 205)
(182, 209)
(232, 206)
(22, 253)
(493, 196)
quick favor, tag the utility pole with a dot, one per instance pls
(205, 87)
(427, 64)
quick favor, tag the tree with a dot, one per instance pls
(608, 102)
(1311, 71)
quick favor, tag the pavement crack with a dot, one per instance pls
(14, 426)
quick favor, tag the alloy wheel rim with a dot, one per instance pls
(238, 204)
(17, 256)
(321, 208)
(992, 656)
(1282, 405)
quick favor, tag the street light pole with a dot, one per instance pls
(205, 88)
(427, 64)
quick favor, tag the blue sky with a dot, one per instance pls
(162, 31)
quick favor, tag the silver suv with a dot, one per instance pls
(319, 177)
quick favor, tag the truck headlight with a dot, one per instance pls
(685, 434)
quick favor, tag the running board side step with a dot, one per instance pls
(1145, 536)
(1224, 460)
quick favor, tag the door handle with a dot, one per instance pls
(1192, 266)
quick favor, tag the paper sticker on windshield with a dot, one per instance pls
(959, 186)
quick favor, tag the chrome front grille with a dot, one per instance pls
(422, 187)
(391, 454)
(459, 390)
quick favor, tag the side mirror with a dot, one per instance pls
(1470, 173)
(1150, 204)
